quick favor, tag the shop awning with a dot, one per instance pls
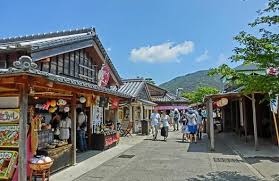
(170, 107)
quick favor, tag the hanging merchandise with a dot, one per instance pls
(82, 99)
(53, 103)
(52, 109)
(66, 109)
(46, 105)
(61, 102)
(35, 126)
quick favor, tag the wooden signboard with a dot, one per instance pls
(9, 115)
(9, 102)
(7, 163)
(9, 136)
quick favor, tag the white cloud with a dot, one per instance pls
(222, 58)
(203, 57)
(165, 52)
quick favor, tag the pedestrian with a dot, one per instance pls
(204, 118)
(199, 123)
(155, 117)
(192, 125)
(81, 130)
(176, 119)
(165, 119)
(184, 131)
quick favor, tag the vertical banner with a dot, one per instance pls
(115, 103)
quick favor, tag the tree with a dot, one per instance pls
(261, 50)
(150, 80)
(198, 95)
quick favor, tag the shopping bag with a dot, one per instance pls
(163, 132)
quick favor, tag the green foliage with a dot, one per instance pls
(198, 95)
(261, 50)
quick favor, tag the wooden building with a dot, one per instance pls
(38, 71)
(244, 115)
(165, 100)
(140, 108)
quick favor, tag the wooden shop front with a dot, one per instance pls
(40, 80)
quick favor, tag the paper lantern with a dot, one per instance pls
(66, 109)
(53, 103)
(82, 99)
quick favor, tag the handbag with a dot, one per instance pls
(163, 131)
(57, 131)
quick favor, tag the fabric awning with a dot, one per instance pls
(170, 107)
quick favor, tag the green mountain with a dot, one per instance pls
(192, 81)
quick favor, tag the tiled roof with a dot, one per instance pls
(244, 67)
(35, 43)
(62, 80)
(169, 98)
(131, 88)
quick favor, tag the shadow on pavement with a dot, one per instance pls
(86, 155)
(225, 175)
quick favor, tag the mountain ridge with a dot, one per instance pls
(191, 81)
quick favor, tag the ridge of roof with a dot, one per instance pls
(47, 35)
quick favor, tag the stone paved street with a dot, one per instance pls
(173, 160)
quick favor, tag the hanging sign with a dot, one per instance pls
(9, 115)
(9, 136)
(7, 163)
(103, 76)
(274, 105)
(222, 102)
(103, 101)
(9, 102)
(115, 103)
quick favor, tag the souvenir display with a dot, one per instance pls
(9, 136)
(7, 163)
(61, 102)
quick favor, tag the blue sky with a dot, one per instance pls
(160, 39)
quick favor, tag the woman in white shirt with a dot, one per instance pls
(165, 119)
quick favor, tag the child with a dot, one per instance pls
(184, 131)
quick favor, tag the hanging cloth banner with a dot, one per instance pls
(103, 76)
(115, 103)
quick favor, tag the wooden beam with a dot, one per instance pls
(22, 159)
(73, 129)
(255, 121)
(245, 119)
(211, 121)
(241, 113)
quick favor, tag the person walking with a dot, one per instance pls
(176, 119)
(192, 125)
(155, 118)
(165, 119)
(199, 123)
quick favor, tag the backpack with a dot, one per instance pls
(176, 116)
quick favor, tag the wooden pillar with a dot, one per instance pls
(237, 117)
(255, 121)
(22, 158)
(223, 119)
(90, 130)
(207, 121)
(210, 113)
(115, 118)
(231, 114)
(245, 119)
(241, 113)
(141, 112)
(74, 129)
